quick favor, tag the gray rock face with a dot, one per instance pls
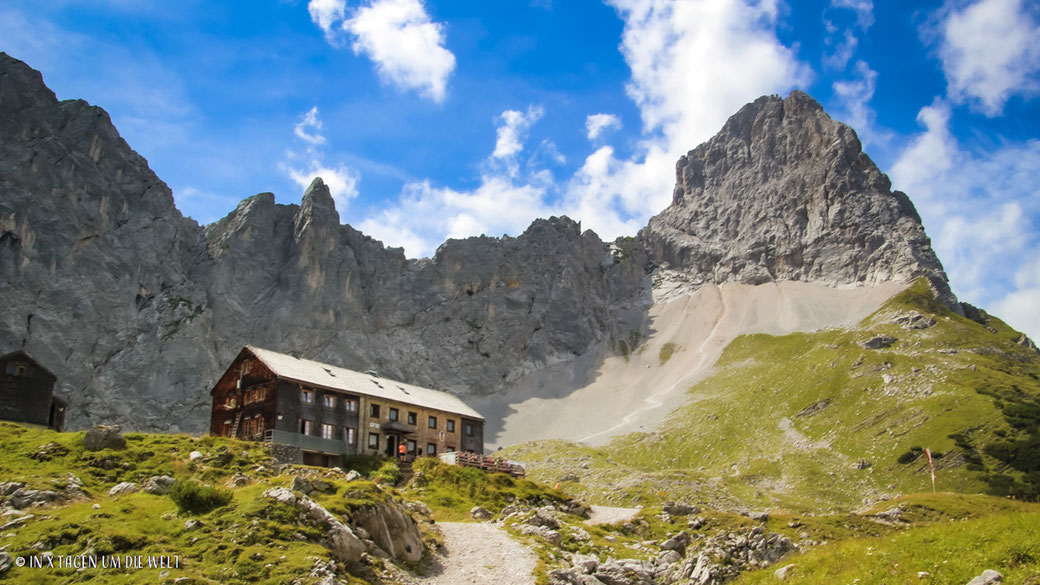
(784, 192)
(138, 309)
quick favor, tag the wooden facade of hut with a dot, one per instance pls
(315, 413)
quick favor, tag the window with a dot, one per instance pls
(431, 448)
(411, 445)
(373, 440)
(412, 417)
(230, 403)
(350, 435)
(469, 429)
(451, 449)
(451, 425)
(245, 367)
(433, 422)
(329, 401)
(17, 370)
(373, 410)
(307, 396)
(305, 426)
(326, 431)
(393, 414)
(351, 405)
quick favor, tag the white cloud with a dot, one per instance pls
(694, 63)
(426, 215)
(1022, 306)
(843, 47)
(982, 209)
(405, 45)
(854, 97)
(513, 131)
(326, 13)
(864, 10)
(597, 124)
(310, 121)
(341, 179)
(990, 52)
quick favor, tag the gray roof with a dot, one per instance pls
(328, 376)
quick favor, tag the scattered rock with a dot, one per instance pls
(759, 516)
(668, 557)
(547, 534)
(238, 480)
(680, 509)
(158, 485)
(6, 560)
(193, 524)
(23, 498)
(723, 557)
(569, 477)
(878, 342)
(479, 513)
(861, 464)
(392, 529)
(125, 487)
(914, 321)
(48, 451)
(543, 518)
(988, 577)
(1024, 341)
(104, 437)
(352, 475)
(195, 456)
(339, 538)
(301, 484)
(783, 571)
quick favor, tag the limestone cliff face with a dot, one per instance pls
(137, 309)
(784, 192)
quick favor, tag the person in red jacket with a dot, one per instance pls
(402, 451)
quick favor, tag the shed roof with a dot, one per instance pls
(328, 376)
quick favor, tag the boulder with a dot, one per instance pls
(195, 456)
(123, 488)
(341, 541)
(393, 529)
(546, 534)
(784, 571)
(680, 509)
(104, 437)
(988, 577)
(158, 485)
(23, 498)
(479, 513)
(878, 342)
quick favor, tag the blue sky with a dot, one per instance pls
(435, 119)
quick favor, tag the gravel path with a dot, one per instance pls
(610, 515)
(480, 554)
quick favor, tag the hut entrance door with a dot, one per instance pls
(391, 445)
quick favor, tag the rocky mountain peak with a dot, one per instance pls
(784, 192)
(317, 206)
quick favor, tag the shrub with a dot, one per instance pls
(388, 472)
(194, 498)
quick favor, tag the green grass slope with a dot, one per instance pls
(816, 422)
(251, 539)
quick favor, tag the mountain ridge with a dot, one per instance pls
(122, 296)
